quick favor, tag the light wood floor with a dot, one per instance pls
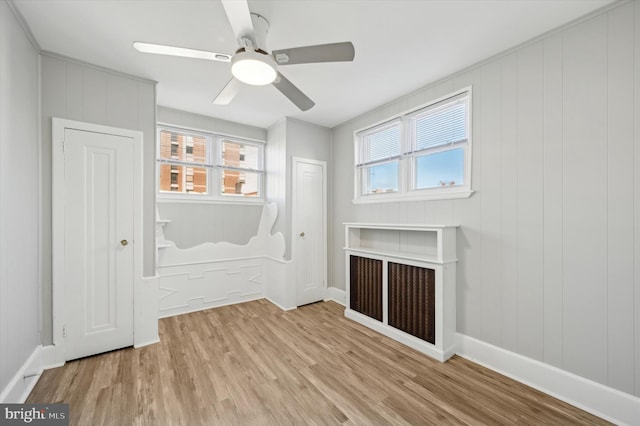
(255, 364)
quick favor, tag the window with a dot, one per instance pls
(201, 166)
(423, 154)
(241, 170)
(179, 165)
(379, 159)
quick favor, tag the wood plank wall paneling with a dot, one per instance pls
(636, 194)
(585, 199)
(490, 211)
(366, 286)
(552, 202)
(466, 211)
(529, 161)
(74, 96)
(509, 205)
(619, 204)
(82, 92)
(549, 245)
(19, 203)
(94, 94)
(412, 300)
(276, 176)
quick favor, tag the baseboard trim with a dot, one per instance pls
(605, 402)
(148, 343)
(190, 310)
(52, 357)
(20, 386)
(337, 295)
(279, 305)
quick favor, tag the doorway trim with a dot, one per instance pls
(294, 218)
(58, 127)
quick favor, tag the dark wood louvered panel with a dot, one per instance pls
(365, 286)
(412, 300)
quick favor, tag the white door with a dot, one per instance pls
(309, 230)
(98, 242)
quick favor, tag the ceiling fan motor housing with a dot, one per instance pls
(260, 31)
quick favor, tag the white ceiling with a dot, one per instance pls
(400, 46)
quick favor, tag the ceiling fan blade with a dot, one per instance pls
(228, 92)
(333, 52)
(294, 94)
(161, 49)
(239, 17)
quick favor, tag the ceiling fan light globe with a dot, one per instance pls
(254, 68)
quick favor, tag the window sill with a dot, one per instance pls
(160, 199)
(418, 196)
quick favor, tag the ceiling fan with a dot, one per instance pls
(252, 64)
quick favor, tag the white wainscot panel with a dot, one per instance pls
(217, 274)
(193, 287)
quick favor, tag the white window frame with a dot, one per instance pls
(260, 170)
(362, 166)
(407, 190)
(214, 169)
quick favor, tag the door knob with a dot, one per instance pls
(302, 234)
(124, 242)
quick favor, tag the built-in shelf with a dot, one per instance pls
(401, 282)
(160, 240)
(432, 243)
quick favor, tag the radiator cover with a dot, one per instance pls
(366, 286)
(412, 300)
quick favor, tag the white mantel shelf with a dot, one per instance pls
(417, 227)
(426, 243)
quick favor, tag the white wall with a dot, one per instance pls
(286, 139)
(549, 245)
(82, 92)
(275, 161)
(197, 223)
(19, 202)
(190, 120)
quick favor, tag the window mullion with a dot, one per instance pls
(240, 169)
(408, 141)
(211, 178)
(217, 175)
(183, 163)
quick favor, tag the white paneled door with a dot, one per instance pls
(98, 242)
(309, 230)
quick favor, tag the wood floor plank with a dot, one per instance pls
(254, 364)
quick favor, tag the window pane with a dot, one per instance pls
(182, 147)
(442, 169)
(441, 126)
(241, 183)
(182, 179)
(380, 178)
(237, 154)
(381, 144)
